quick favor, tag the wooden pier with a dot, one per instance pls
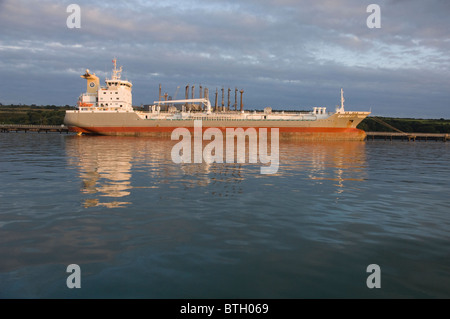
(6, 128)
(407, 136)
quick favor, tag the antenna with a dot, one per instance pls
(116, 73)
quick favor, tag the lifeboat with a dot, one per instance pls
(82, 104)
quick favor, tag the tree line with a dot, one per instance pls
(32, 114)
(405, 125)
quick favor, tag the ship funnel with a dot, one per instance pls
(93, 82)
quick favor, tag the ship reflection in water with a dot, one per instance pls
(112, 168)
(105, 170)
(328, 161)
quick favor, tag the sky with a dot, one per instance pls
(286, 54)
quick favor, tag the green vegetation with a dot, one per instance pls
(406, 125)
(32, 114)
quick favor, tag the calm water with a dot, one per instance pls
(140, 226)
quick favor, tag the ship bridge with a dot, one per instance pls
(115, 96)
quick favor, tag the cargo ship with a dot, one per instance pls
(108, 110)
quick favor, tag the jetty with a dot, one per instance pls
(398, 134)
(407, 136)
(7, 128)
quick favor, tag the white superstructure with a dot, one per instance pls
(115, 96)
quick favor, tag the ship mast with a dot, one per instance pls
(341, 108)
(116, 72)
